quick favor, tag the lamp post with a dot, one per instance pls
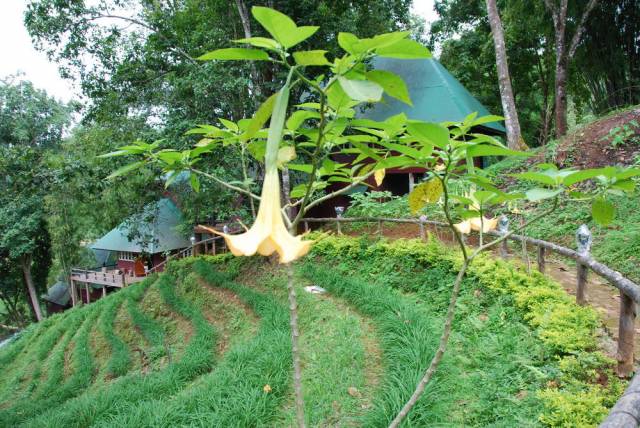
(503, 229)
(192, 239)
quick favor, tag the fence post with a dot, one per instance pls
(423, 219)
(74, 297)
(306, 226)
(339, 212)
(541, 260)
(626, 330)
(583, 240)
(503, 229)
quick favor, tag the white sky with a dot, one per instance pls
(19, 55)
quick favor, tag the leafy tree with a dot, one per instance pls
(31, 124)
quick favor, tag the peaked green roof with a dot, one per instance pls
(58, 293)
(437, 96)
(156, 228)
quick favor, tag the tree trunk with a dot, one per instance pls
(506, 91)
(561, 93)
(295, 350)
(25, 262)
(246, 27)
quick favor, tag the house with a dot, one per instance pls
(139, 245)
(437, 96)
(58, 298)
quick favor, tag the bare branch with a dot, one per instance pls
(575, 41)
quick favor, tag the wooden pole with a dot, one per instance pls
(581, 289)
(626, 330)
(104, 291)
(504, 249)
(86, 288)
(74, 298)
(338, 228)
(541, 260)
(423, 235)
(306, 226)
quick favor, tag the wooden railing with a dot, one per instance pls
(626, 412)
(108, 278)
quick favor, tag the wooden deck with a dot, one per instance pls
(113, 278)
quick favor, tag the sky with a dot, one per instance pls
(19, 55)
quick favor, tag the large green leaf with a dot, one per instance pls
(259, 118)
(537, 177)
(307, 58)
(235, 54)
(361, 90)
(349, 43)
(298, 117)
(404, 49)
(281, 27)
(432, 133)
(392, 84)
(602, 211)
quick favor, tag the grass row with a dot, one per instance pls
(56, 389)
(234, 393)
(114, 398)
(151, 330)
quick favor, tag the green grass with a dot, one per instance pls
(219, 328)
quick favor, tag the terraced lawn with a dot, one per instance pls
(207, 344)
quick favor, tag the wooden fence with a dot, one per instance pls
(626, 412)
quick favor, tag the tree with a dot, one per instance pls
(32, 124)
(506, 92)
(565, 53)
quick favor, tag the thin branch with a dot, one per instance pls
(580, 28)
(227, 185)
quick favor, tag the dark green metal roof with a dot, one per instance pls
(437, 96)
(158, 231)
(58, 293)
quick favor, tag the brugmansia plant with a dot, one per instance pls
(306, 137)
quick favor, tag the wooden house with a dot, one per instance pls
(140, 245)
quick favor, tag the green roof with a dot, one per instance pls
(155, 230)
(58, 293)
(437, 96)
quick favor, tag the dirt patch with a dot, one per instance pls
(68, 354)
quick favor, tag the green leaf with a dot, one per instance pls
(625, 185)
(195, 182)
(231, 126)
(432, 133)
(170, 157)
(259, 118)
(260, 42)
(306, 58)
(537, 177)
(126, 169)
(298, 117)
(538, 194)
(361, 90)
(348, 42)
(404, 49)
(114, 154)
(583, 175)
(281, 27)
(603, 211)
(491, 150)
(392, 84)
(306, 168)
(337, 97)
(235, 54)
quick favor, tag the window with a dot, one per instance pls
(127, 255)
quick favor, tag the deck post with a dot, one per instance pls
(412, 182)
(626, 330)
(104, 291)
(86, 288)
(306, 226)
(73, 292)
(583, 240)
(541, 260)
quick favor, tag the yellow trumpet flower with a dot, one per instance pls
(269, 233)
(475, 224)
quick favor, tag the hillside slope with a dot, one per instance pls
(207, 344)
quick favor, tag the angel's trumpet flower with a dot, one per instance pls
(269, 233)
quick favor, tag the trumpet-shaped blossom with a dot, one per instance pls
(269, 233)
(475, 224)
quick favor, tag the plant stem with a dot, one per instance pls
(295, 333)
(435, 361)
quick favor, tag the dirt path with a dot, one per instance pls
(599, 293)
